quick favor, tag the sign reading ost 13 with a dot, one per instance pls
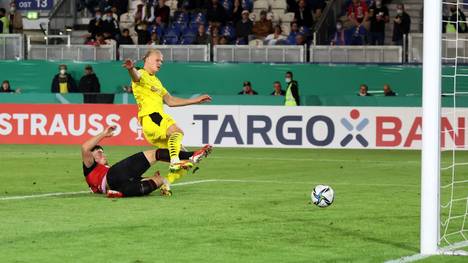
(34, 4)
(234, 126)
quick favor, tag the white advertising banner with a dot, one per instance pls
(315, 127)
(235, 126)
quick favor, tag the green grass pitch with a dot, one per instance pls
(256, 209)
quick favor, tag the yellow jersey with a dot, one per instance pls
(149, 93)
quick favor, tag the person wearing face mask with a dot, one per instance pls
(16, 20)
(63, 82)
(401, 25)
(292, 91)
(4, 22)
(378, 19)
(340, 38)
(109, 24)
(95, 25)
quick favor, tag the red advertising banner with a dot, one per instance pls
(68, 124)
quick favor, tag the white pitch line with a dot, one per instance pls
(408, 259)
(450, 250)
(199, 182)
(41, 195)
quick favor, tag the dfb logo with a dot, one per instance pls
(354, 114)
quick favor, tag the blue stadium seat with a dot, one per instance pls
(174, 29)
(159, 30)
(228, 31)
(247, 4)
(227, 4)
(170, 40)
(187, 39)
(191, 29)
(292, 38)
(305, 31)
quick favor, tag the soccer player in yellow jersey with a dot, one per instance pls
(158, 127)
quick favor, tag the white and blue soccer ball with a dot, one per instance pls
(322, 195)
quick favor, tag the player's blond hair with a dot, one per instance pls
(150, 52)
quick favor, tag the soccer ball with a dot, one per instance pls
(322, 195)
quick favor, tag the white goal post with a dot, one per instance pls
(434, 230)
(431, 103)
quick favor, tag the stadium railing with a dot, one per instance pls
(11, 47)
(72, 52)
(234, 53)
(415, 47)
(185, 53)
(356, 54)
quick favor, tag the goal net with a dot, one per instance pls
(444, 178)
(454, 160)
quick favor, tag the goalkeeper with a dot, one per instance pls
(159, 128)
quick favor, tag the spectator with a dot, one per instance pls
(277, 90)
(216, 14)
(114, 14)
(247, 90)
(214, 35)
(292, 91)
(6, 88)
(95, 25)
(358, 12)
(300, 40)
(378, 18)
(340, 38)
(401, 25)
(456, 15)
(89, 83)
(4, 22)
(272, 39)
(223, 41)
(202, 38)
(97, 41)
(363, 91)
(244, 27)
(125, 38)
(303, 15)
(388, 91)
(110, 25)
(16, 20)
(237, 11)
(317, 6)
(154, 39)
(263, 27)
(63, 82)
(162, 10)
(141, 25)
(108, 39)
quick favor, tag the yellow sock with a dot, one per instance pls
(173, 144)
(172, 177)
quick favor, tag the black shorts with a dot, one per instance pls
(126, 175)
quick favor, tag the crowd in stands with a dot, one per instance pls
(365, 21)
(215, 22)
